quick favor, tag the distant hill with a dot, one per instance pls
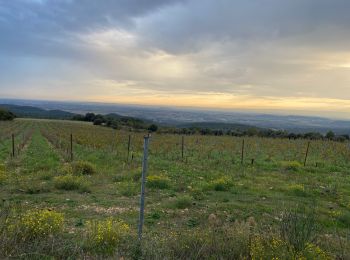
(126, 118)
(217, 126)
(34, 112)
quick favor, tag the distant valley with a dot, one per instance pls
(181, 117)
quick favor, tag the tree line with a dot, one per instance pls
(116, 122)
(271, 133)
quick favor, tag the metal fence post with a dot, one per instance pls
(307, 152)
(13, 145)
(143, 183)
(71, 147)
(242, 155)
(129, 143)
(182, 147)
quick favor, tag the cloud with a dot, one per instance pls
(257, 49)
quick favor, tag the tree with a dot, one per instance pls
(78, 118)
(330, 135)
(153, 128)
(90, 117)
(98, 121)
(6, 115)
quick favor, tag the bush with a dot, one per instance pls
(197, 194)
(36, 224)
(153, 128)
(222, 184)
(183, 202)
(291, 166)
(42, 223)
(103, 236)
(6, 115)
(36, 187)
(297, 190)
(82, 167)
(158, 181)
(71, 182)
(298, 228)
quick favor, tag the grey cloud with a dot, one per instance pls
(188, 27)
(255, 47)
(34, 27)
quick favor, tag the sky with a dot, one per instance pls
(282, 56)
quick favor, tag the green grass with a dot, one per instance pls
(189, 199)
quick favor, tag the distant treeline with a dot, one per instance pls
(116, 121)
(257, 132)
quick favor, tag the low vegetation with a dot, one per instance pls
(204, 201)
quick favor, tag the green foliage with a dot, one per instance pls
(222, 184)
(210, 181)
(292, 165)
(298, 228)
(158, 182)
(36, 187)
(297, 190)
(184, 201)
(40, 223)
(104, 236)
(83, 168)
(226, 242)
(153, 128)
(6, 115)
(197, 194)
(330, 135)
(71, 182)
(33, 224)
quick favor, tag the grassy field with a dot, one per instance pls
(205, 205)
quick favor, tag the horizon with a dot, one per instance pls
(169, 107)
(281, 57)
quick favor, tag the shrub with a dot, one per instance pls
(6, 115)
(82, 167)
(298, 229)
(183, 202)
(153, 128)
(197, 194)
(36, 188)
(158, 181)
(103, 236)
(39, 224)
(291, 166)
(71, 182)
(297, 190)
(222, 184)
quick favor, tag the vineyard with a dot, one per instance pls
(71, 189)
